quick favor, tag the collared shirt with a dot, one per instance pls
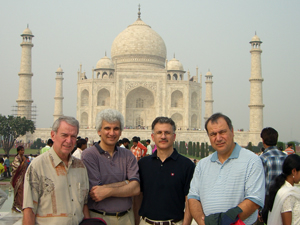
(136, 151)
(165, 186)
(56, 193)
(272, 160)
(220, 187)
(289, 151)
(104, 169)
(77, 153)
(149, 150)
(45, 149)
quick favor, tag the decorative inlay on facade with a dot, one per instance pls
(131, 85)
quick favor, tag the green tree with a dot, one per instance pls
(280, 145)
(37, 144)
(249, 146)
(198, 149)
(202, 150)
(190, 148)
(11, 128)
(206, 149)
(194, 148)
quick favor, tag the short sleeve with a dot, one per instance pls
(194, 191)
(32, 189)
(288, 204)
(132, 168)
(188, 175)
(255, 182)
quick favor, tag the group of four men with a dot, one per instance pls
(162, 188)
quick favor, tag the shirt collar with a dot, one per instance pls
(270, 148)
(55, 158)
(173, 156)
(101, 150)
(234, 154)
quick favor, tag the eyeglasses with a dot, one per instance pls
(160, 133)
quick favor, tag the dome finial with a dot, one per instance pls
(27, 25)
(174, 55)
(139, 13)
(255, 32)
(105, 53)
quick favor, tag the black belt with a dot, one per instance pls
(117, 214)
(167, 222)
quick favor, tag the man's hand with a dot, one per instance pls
(98, 193)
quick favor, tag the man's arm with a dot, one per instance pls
(137, 202)
(28, 217)
(187, 219)
(196, 211)
(248, 208)
(86, 212)
(98, 193)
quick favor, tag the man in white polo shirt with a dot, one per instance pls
(229, 184)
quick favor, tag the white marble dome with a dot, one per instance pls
(208, 73)
(105, 63)
(255, 39)
(59, 70)
(27, 31)
(174, 64)
(139, 43)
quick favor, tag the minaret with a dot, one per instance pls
(208, 96)
(256, 100)
(24, 100)
(58, 99)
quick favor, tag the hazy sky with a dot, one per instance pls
(210, 34)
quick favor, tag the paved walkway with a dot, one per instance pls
(8, 218)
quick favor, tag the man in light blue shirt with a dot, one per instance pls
(229, 184)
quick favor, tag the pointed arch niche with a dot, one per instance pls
(84, 120)
(140, 107)
(194, 120)
(177, 99)
(103, 97)
(84, 98)
(194, 100)
(178, 119)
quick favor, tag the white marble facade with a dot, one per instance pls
(140, 83)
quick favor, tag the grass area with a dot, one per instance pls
(13, 151)
(5, 180)
(190, 156)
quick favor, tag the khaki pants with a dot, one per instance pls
(127, 219)
(143, 222)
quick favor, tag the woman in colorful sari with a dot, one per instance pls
(19, 166)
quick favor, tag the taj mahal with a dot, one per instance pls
(140, 82)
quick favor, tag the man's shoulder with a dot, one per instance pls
(248, 153)
(274, 152)
(184, 159)
(77, 163)
(145, 160)
(206, 160)
(91, 151)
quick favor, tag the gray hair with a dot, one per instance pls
(162, 119)
(68, 119)
(111, 116)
